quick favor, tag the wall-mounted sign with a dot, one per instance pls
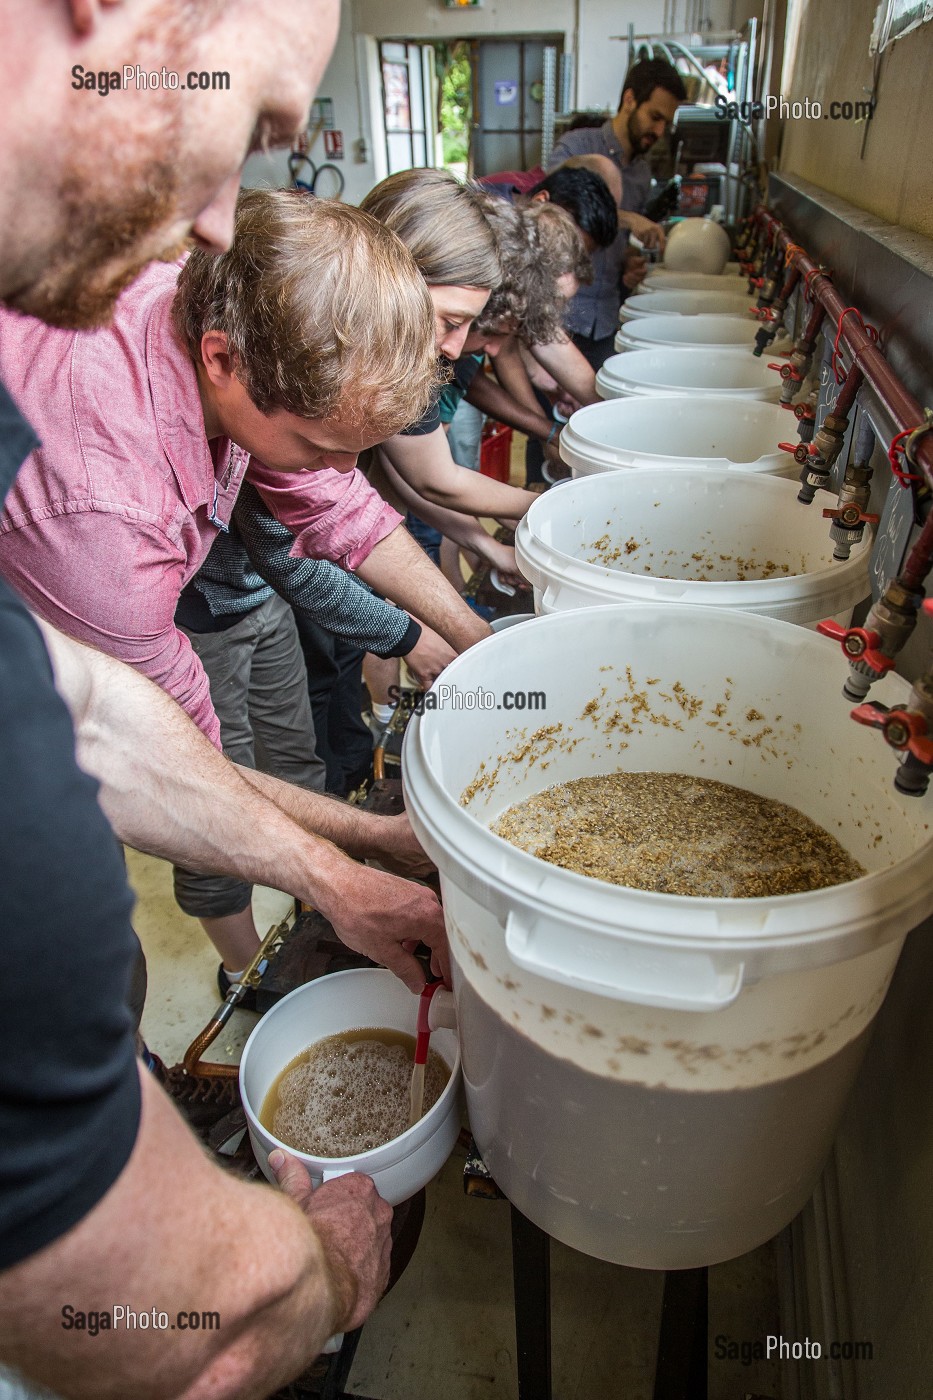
(506, 93)
(322, 112)
(333, 145)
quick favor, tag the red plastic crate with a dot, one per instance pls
(495, 450)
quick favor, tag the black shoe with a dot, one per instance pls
(224, 983)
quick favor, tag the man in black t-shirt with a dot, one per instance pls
(105, 1196)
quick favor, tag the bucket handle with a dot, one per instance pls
(675, 979)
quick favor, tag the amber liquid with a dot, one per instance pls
(349, 1093)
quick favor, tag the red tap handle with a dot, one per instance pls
(857, 644)
(424, 1030)
(790, 447)
(804, 412)
(780, 369)
(871, 714)
(859, 518)
(927, 606)
(903, 729)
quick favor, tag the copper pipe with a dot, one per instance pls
(903, 408)
(192, 1060)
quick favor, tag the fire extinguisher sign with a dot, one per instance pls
(333, 145)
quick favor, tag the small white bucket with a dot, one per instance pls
(702, 538)
(686, 370)
(723, 303)
(706, 332)
(345, 1001)
(678, 431)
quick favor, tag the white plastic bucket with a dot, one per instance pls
(686, 370)
(345, 1001)
(697, 245)
(707, 332)
(678, 431)
(654, 1079)
(723, 303)
(659, 279)
(704, 538)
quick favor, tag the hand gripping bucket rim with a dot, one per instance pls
(811, 929)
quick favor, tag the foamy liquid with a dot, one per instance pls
(349, 1093)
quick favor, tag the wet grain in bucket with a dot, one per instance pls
(673, 834)
(349, 1093)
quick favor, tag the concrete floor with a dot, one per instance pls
(447, 1328)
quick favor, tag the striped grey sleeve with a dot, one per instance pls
(334, 599)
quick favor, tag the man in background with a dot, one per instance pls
(651, 94)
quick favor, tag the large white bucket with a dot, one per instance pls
(705, 538)
(654, 1079)
(677, 431)
(727, 302)
(707, 332)
(659, 279)
(686, 370)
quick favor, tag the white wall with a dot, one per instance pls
(351, 79)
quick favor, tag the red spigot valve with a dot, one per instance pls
(800, 451)
(850, 516)
(903, 729)
(768, 313)
(755, 281)
(858, 645)
(927, 606)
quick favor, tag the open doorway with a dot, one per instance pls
(455, 104)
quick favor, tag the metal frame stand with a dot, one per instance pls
(681, 1372)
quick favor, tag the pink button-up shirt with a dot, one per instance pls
(109, 519)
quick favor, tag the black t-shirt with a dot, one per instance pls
(463, 371)
(69, 1090)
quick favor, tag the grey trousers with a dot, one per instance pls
(259, 690)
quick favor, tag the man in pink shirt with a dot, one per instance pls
(138, 470)
(148, 427)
